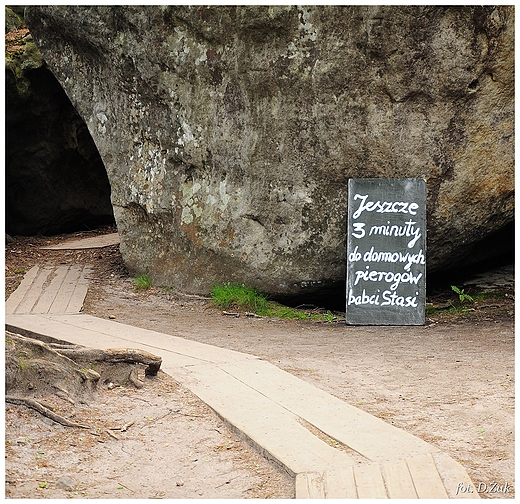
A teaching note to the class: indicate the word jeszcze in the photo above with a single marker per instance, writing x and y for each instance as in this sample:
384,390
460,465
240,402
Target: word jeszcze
384,207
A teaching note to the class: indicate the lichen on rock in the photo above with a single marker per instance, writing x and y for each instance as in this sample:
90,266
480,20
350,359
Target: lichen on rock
21,53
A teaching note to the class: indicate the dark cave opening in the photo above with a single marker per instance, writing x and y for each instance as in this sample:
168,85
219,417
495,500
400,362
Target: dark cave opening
494,251
55,179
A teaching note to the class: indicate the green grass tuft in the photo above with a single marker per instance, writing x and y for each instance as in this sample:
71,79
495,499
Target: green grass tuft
142,282
238,296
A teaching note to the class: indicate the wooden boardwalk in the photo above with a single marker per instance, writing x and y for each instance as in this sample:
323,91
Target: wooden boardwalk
86,243
48,289
427,476
261,402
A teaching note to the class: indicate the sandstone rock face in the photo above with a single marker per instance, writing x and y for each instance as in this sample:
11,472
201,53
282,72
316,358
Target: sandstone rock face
55,179
229,133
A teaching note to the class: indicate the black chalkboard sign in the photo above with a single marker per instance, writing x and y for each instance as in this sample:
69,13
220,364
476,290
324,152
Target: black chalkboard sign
386,252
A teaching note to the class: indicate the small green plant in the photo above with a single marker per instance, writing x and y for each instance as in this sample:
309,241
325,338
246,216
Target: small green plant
20,271
142,282
238,296
21,362
462,295
281,311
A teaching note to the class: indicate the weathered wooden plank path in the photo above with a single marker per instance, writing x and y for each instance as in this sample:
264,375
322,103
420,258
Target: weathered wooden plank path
86,243
48,289
267,406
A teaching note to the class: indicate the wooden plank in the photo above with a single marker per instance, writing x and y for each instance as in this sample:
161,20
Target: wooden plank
454,477
87,243
427,481
67,289
17,296
309,485
34,292
365,434
369,482
80,291
398,480
51,291
340,483
284,439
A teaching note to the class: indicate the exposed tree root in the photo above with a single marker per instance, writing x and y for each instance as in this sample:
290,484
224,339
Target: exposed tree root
35,405
35,369
113,356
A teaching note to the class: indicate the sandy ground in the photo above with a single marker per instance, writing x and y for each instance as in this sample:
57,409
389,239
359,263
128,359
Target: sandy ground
176,448
450,382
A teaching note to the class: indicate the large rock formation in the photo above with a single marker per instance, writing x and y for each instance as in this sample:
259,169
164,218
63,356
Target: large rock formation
229,133
56,180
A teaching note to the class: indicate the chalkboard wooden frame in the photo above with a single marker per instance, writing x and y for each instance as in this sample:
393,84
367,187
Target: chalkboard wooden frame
386,252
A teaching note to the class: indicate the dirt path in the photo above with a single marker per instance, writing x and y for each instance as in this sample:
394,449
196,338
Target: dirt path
450,382
175,447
